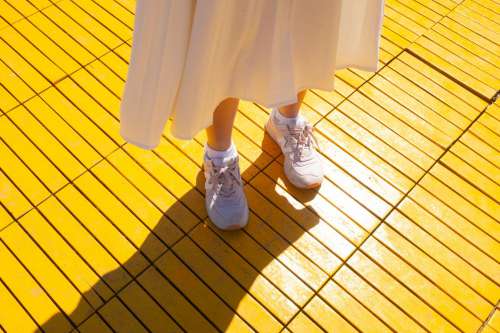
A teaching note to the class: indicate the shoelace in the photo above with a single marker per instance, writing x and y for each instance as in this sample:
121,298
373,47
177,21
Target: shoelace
304,140
226,177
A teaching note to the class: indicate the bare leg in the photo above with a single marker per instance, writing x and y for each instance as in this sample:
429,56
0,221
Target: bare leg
292,110
219,133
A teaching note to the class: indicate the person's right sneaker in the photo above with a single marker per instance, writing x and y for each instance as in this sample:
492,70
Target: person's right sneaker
302,162
225,200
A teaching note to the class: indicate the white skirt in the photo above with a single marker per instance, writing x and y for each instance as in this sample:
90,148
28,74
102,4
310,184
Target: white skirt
189,55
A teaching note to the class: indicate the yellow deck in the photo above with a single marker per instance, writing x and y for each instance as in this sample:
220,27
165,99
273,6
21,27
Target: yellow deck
97,235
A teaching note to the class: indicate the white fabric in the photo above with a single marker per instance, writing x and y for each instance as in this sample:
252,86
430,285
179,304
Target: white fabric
189,55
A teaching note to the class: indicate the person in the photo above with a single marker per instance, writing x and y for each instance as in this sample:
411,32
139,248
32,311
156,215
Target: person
193,60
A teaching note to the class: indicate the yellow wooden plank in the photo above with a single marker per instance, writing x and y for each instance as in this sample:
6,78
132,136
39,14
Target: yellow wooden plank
434,272
98,90
120,216
325,316
464,198
259,116
355,211
490,121
10,13
280,249
479,18
351,309
301,323
58,54
422,287
62,38
123,12
65,160
31,155
356,189
129,4
150,313
433,110
437,90
105,75
466,171
317,107
198,293
390,173
478,50
431,210
466,54
120,318
45,272
30,294
15,88
5,218
84,124
260,287
494,321
292,232
482,148
112,276
444,256
28,8
460,27
476,161
23,69
390,132
408,27
285,278
375,302
349,220
399,294
405,114
357,170
75,269
105,232
454,66
174,303
390,31
41,62
13,317
116,63
137,203
13,200
7,100
415,12
484,133
240,301
164,190
94,324
73,20
89,25
63,132
106,121
105,18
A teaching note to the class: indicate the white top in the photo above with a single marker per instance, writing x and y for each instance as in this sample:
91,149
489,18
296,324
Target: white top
189,55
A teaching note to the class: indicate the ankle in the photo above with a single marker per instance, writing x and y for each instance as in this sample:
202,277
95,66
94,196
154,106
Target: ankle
215,153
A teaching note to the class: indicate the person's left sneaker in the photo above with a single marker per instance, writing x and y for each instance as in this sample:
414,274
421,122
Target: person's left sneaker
302,162
225,199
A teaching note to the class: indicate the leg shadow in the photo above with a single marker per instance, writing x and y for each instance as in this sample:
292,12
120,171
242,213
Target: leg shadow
213,268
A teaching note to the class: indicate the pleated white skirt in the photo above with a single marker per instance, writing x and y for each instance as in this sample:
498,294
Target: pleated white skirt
189,55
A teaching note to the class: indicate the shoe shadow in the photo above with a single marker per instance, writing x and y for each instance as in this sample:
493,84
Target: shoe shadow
255,278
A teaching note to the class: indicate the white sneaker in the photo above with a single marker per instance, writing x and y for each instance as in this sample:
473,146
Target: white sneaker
225,200
303,165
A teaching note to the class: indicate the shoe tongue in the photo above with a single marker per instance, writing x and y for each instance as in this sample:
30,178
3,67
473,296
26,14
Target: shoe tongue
220,161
